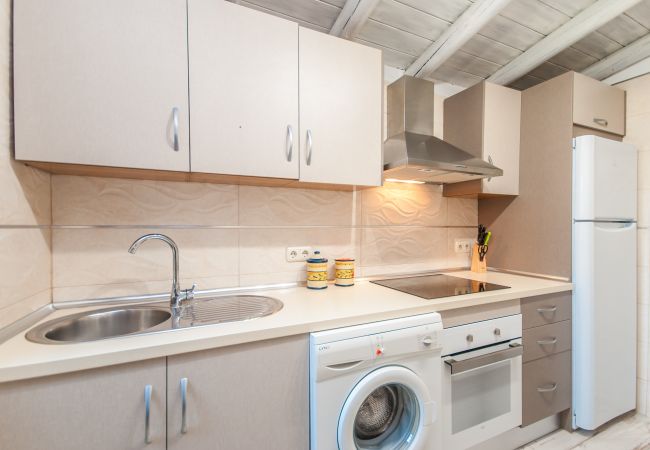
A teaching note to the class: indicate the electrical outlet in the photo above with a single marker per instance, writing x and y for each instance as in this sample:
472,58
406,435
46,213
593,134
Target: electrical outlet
463,245
298,254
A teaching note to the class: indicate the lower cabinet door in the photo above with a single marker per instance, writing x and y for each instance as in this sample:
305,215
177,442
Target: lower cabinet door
242,397
99,409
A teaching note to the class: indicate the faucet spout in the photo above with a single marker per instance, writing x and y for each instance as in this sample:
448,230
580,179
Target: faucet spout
176,296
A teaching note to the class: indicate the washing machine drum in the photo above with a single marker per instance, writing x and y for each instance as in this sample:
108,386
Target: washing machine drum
389,409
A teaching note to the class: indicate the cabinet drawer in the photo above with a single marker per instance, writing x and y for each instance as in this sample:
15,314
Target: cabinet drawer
546,340
545,309
597,105
546,387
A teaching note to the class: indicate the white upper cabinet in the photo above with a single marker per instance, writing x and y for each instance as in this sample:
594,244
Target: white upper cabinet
244,89
102,83
340,111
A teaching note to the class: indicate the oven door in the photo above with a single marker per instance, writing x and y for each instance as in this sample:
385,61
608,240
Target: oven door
482,394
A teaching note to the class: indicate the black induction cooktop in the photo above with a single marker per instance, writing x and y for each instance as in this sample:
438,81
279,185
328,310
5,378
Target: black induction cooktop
438,285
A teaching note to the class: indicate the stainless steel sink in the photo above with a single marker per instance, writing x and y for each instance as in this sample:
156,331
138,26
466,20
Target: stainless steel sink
98,324
131,320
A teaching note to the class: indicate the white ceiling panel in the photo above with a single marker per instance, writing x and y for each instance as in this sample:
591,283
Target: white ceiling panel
393,38
392,58
535,15
311,11
597,45
452,75
409,19
573,59
525,82
623,30
491,50
641,13
569,7
547,70
471,64
511,33
448,10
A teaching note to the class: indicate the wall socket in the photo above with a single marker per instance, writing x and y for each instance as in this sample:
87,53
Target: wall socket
298,254
463,245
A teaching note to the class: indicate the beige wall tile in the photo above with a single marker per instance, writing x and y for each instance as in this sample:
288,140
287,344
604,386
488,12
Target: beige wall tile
643,285
415,246
643,247
641,394
644,171
24,194
643,208
459,259
112,201
643,316
642,361
86,257
637,131
286,207
263,251
462,212
24,264
637,100
394,204
11,313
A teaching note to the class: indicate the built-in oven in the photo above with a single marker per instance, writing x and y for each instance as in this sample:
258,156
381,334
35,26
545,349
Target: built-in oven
481,380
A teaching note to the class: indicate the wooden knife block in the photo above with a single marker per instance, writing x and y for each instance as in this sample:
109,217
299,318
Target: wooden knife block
478,266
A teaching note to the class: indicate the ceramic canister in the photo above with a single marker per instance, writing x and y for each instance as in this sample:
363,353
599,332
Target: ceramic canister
344,270
317,272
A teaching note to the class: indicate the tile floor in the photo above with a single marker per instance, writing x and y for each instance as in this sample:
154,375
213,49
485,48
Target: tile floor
630,433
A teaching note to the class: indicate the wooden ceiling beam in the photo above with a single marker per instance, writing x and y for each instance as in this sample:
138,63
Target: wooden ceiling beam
587,21
620,59
352,17
453,38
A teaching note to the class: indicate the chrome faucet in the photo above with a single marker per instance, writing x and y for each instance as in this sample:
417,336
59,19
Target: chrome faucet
178,296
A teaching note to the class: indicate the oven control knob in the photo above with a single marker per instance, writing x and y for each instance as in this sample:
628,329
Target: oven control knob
470,338
427,341
497,332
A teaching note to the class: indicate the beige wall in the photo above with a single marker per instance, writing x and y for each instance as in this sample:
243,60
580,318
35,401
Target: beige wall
24,210
237,235
638,133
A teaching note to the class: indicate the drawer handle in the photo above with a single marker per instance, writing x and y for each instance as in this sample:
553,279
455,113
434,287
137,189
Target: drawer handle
547,388
601,122
147,413
552,309
176,143
548,341
310,147
289,142
183,405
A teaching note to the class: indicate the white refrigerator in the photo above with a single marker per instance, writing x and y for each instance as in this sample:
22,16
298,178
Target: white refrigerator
604,276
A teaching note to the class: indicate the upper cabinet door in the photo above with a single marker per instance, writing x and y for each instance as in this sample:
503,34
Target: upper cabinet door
102,82
341,86
598,105
244,88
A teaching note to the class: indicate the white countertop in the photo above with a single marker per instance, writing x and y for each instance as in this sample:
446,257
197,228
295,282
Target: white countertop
304,311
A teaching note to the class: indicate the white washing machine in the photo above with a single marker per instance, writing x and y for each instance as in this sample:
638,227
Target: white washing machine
377,386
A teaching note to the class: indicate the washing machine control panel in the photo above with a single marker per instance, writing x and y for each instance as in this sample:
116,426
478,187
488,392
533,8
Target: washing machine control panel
408,340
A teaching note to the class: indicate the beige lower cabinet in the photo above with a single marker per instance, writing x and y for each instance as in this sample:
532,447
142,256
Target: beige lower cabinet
99,409
250,396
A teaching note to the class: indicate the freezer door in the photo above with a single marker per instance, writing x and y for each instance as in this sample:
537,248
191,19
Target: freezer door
604,179
604,321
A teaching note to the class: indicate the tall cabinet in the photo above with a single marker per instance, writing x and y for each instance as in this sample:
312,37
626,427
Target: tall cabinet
102,83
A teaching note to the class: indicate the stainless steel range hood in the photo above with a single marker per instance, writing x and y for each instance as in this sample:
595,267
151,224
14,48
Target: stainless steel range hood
412,153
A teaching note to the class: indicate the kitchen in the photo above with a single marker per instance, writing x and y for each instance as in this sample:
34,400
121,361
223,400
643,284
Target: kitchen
336,224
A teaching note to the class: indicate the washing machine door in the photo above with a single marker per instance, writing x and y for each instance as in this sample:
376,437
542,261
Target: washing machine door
389,409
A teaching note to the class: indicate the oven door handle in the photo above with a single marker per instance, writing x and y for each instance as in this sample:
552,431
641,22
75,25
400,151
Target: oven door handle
484,360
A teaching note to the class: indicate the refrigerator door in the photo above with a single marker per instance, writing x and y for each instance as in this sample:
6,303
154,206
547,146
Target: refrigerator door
604,321
604,179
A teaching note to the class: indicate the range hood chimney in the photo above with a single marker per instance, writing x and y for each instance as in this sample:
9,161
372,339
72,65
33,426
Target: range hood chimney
412,153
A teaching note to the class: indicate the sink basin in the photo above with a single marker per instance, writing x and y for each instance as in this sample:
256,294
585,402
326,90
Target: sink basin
99,324
130,320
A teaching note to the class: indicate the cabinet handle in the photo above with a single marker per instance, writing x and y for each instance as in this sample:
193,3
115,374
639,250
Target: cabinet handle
310,146
175,124
183,405
147,413
547,388
601,122
289,142
548,341
552,309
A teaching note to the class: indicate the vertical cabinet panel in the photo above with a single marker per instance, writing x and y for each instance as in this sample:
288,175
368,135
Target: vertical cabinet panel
251,396
340,111
100,409
96,82
244,88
